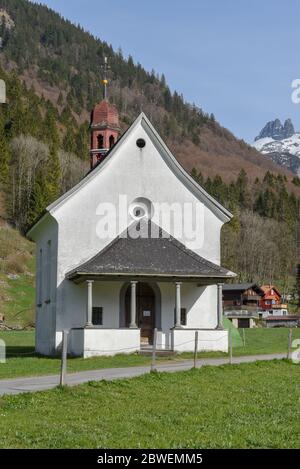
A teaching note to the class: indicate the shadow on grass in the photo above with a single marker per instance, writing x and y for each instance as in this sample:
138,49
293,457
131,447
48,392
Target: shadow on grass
14,351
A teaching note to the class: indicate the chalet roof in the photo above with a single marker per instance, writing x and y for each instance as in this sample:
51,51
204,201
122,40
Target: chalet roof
239,286
266,288
145,255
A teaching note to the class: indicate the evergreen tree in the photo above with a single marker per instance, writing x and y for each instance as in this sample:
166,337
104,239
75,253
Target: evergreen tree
242,188
82,139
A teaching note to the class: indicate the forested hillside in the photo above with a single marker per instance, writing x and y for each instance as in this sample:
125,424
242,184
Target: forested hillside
52,69
63,63
262,242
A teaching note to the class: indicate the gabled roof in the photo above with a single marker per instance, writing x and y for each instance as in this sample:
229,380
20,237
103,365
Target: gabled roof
168,157
241,287
153,253
266,288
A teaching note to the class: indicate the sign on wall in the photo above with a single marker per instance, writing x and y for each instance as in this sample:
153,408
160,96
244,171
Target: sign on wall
2,92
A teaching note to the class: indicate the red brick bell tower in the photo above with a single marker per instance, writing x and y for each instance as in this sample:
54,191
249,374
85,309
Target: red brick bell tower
104,126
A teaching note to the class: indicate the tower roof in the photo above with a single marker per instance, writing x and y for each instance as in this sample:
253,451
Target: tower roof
105,114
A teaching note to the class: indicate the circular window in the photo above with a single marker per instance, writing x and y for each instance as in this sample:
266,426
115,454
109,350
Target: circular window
140,208
140,142
139,212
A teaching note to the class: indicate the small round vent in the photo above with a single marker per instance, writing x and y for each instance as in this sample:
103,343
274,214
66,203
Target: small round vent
140,142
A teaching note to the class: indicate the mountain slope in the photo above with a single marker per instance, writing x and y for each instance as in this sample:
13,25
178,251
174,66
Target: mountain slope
62,63
281,144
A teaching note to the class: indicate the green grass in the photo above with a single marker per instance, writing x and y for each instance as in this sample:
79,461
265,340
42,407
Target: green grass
19,307
233,406
263,340
17,267
22,361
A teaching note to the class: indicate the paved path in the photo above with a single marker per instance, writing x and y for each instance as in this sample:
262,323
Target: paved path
40,383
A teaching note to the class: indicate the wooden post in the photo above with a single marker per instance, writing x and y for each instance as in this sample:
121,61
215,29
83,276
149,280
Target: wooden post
196,349
230,347
244,337
154,350
63,371
289,344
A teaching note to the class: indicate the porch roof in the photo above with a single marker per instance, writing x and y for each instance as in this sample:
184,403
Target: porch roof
147,256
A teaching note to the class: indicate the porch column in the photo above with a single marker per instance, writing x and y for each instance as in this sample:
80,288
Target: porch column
133,305
89,302
178,304
220,306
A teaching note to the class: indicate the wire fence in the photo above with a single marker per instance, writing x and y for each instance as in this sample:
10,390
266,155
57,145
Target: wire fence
240,342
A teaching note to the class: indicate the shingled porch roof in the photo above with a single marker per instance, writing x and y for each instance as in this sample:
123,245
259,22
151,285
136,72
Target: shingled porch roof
146,256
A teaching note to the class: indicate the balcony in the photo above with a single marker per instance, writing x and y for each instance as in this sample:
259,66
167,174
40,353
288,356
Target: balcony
242,311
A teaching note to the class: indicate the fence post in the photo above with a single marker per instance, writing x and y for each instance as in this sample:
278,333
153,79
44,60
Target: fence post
196,349
154,350
230,347
63,370
244,337
289,344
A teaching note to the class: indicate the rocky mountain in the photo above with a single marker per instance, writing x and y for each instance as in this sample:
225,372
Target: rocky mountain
277,131
281,144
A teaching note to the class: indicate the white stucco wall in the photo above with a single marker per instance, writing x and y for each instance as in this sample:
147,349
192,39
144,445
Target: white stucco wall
184,340
46,282
103,341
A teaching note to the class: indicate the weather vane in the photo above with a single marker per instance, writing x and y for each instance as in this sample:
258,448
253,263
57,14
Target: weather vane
105,67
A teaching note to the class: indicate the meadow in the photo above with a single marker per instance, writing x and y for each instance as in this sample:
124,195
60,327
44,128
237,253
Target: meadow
232,406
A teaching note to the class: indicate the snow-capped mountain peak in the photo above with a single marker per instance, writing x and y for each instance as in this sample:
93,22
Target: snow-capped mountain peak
281,143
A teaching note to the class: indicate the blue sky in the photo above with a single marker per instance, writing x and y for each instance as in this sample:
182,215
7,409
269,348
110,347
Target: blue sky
235,58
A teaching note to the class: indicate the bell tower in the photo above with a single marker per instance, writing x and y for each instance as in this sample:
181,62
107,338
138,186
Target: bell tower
104,126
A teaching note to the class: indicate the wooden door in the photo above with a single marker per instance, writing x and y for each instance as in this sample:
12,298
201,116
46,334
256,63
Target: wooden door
145,311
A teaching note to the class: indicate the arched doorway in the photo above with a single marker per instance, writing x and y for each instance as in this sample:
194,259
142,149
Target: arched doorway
145,310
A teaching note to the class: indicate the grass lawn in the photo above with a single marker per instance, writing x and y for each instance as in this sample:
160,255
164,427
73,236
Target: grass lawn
21,360
20,293
232,406
17,277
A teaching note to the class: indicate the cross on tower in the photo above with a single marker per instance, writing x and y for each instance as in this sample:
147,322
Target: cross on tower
105,67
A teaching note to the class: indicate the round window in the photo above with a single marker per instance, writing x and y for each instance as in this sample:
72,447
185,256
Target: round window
140,142
140,208
139,212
